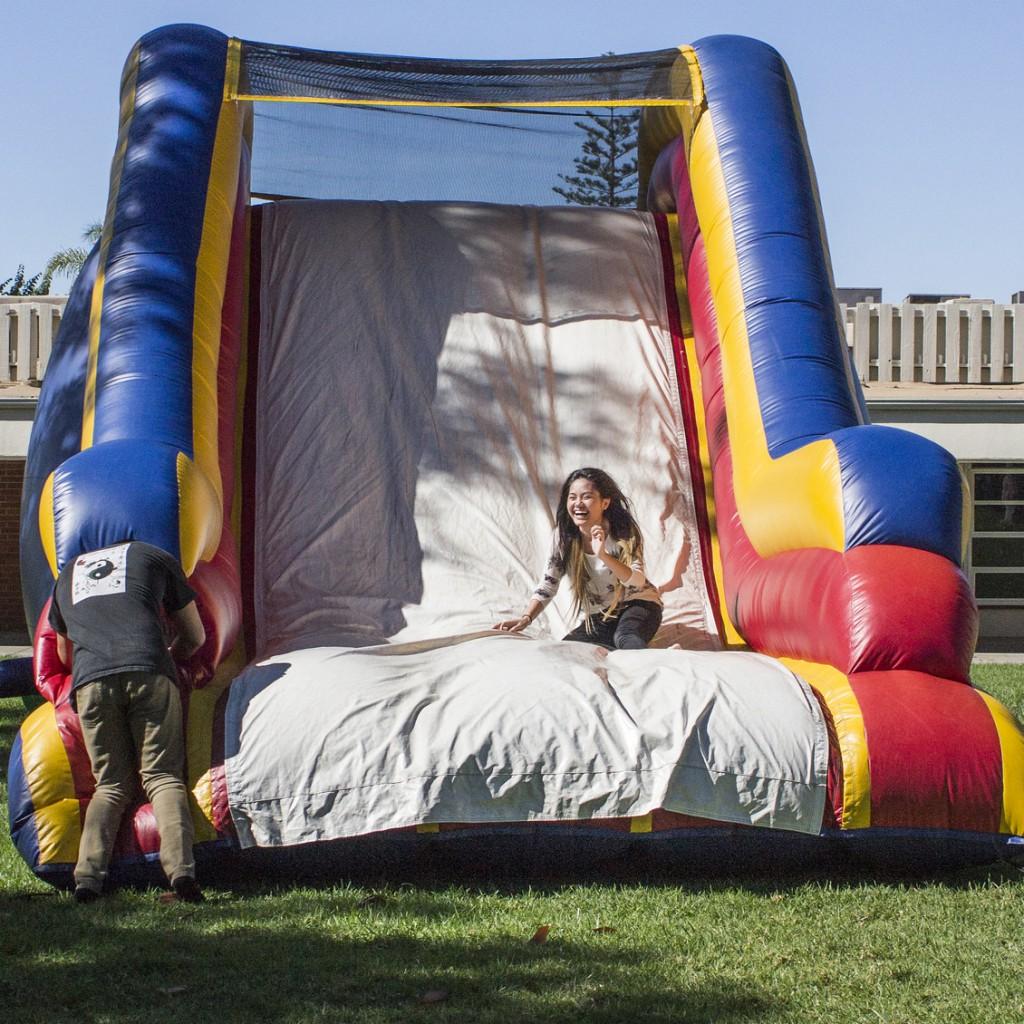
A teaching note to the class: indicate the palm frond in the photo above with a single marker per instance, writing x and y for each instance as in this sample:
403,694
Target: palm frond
67,261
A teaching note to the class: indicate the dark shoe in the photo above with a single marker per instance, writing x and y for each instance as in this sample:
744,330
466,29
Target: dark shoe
187,889
83,894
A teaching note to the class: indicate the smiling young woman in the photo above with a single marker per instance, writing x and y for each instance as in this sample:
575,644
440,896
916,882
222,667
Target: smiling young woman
598,545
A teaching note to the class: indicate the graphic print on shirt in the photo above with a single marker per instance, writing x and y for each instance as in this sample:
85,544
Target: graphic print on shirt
100,572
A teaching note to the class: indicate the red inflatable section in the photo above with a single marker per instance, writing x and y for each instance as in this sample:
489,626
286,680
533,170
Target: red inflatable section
939,735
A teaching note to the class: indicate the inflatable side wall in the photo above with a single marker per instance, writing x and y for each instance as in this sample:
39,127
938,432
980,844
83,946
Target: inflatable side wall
135,436
839,542
836,544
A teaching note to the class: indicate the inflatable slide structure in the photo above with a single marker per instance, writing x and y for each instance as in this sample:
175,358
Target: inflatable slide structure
340,343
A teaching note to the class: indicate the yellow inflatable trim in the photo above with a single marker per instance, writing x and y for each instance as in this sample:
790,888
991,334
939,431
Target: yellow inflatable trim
844,708
211,275
51,787
785,503
200,515
47,529
1011,744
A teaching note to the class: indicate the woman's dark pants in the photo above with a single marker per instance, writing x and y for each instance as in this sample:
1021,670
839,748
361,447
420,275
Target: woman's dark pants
632,628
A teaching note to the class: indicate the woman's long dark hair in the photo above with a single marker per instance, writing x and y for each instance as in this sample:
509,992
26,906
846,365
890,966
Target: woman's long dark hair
622,527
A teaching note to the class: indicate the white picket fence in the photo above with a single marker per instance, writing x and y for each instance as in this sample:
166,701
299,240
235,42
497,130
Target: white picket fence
957,342
29,324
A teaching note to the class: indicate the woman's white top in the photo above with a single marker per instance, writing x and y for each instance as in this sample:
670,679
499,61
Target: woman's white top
601,582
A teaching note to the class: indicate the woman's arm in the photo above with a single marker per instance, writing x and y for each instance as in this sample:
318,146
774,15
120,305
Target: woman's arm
533,609
542,594
630,576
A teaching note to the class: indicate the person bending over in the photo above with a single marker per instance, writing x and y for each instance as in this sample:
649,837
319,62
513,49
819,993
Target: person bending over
598,545
108,603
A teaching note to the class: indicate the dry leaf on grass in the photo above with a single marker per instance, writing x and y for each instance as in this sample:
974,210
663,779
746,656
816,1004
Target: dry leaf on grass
541,934
434,995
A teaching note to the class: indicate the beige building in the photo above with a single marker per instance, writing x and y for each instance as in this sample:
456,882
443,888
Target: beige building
948,368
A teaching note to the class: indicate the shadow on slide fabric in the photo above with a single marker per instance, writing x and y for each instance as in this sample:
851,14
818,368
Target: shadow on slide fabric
258,678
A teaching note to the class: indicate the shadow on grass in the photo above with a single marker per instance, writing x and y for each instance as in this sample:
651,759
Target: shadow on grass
422,891
120,961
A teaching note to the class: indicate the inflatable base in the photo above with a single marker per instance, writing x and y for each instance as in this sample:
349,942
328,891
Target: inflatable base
559,854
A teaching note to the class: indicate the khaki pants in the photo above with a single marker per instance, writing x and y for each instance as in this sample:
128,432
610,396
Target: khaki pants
131,722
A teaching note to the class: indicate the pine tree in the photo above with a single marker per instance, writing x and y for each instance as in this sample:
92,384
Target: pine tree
606,167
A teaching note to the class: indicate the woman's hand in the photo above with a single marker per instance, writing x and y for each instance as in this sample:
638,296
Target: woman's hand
513,625
597,537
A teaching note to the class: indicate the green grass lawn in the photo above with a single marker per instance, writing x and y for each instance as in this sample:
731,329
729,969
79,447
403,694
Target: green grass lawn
795,950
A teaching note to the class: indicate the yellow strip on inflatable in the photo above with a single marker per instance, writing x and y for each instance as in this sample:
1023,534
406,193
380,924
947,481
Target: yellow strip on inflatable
794,501
128,83
51,787
47,527
233,68
211,274
200,488
200,517
1011,744
639,101
844,708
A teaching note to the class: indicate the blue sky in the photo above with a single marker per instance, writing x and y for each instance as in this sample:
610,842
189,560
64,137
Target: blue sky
912,108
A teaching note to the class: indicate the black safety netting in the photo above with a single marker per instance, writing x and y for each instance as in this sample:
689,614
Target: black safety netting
291,72
362,126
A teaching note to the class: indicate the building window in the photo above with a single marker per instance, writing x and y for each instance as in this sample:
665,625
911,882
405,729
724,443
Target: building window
996,552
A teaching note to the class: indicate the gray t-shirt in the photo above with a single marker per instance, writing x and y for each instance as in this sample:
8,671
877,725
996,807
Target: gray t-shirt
108,603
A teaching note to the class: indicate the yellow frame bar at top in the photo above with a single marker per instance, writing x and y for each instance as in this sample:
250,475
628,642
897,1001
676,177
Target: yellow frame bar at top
519,104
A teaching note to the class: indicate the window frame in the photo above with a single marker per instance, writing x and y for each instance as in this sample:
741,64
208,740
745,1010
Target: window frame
972,471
